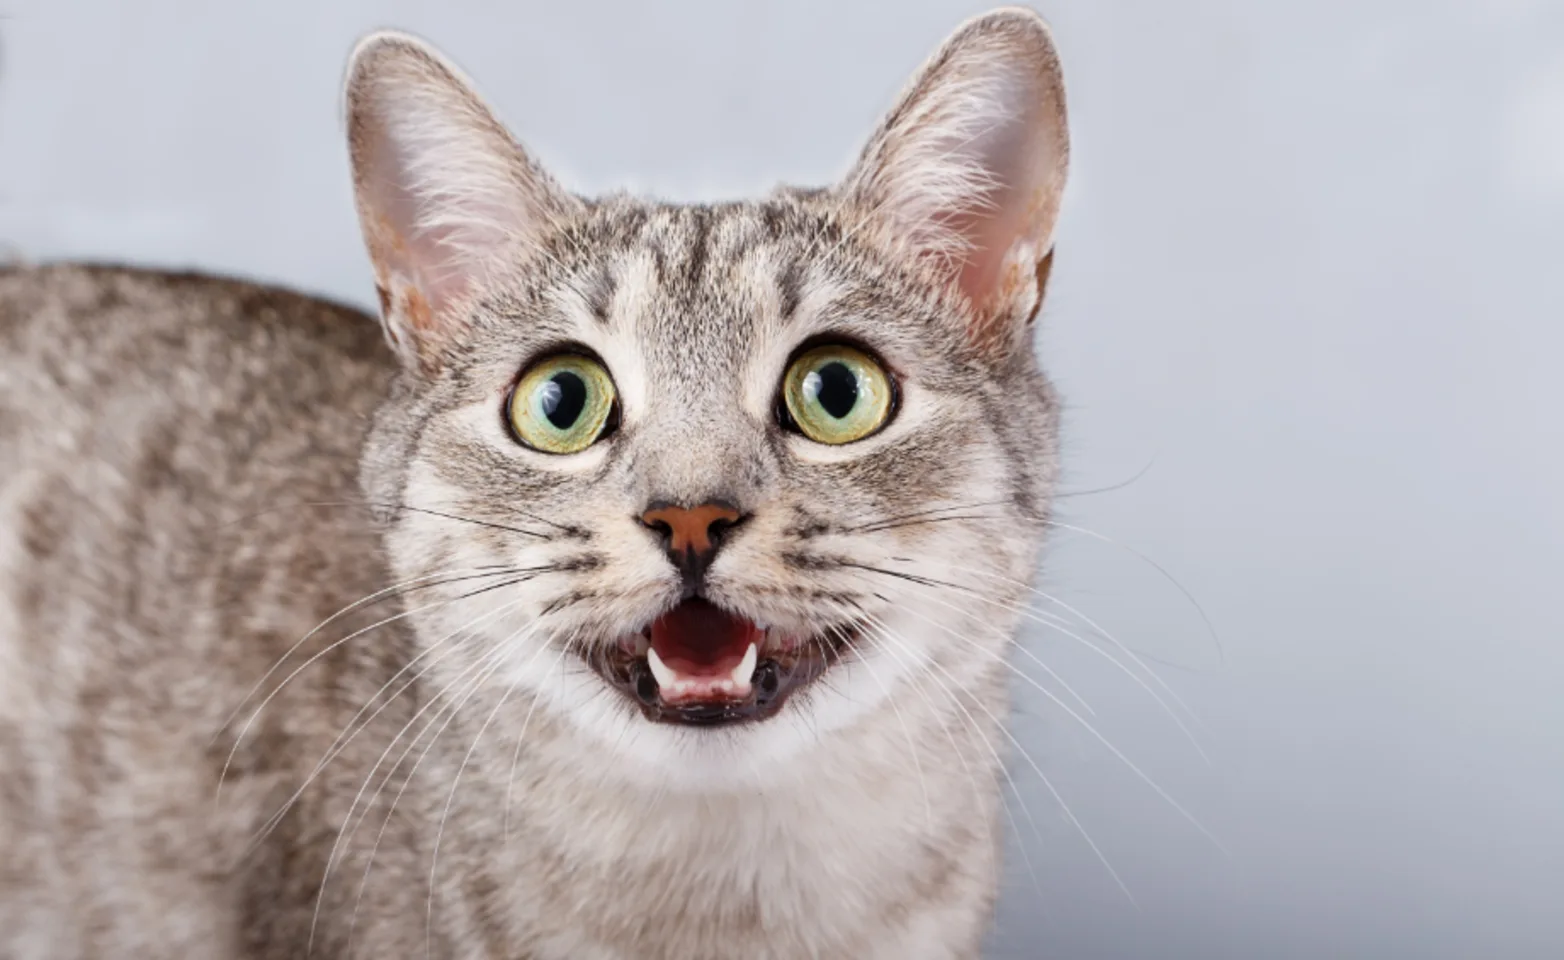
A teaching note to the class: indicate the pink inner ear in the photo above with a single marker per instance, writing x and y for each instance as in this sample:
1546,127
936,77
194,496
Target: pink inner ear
436,261
966,174
442,274
1015,153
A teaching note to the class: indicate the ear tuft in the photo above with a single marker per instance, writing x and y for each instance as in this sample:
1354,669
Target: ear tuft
966,173
443,191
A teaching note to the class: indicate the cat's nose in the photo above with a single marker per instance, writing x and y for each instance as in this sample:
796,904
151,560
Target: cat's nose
691,535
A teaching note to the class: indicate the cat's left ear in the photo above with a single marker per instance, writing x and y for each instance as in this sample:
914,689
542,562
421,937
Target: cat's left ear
444,194
965,175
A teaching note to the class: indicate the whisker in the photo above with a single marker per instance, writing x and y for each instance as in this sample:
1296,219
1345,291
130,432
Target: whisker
1167,708
494,660
522,735
1037,616
474,675
338,845
927,521
922,513
350,732
1133,768
381,505
900,575
1065,807
1139,659
1001,634
912,675
912,747
1049,620
563,528
255,714
1062,494
1210,627
362,601
439,835
490,524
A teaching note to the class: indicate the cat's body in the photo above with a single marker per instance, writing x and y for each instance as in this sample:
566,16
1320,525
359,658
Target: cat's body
178,450
199,474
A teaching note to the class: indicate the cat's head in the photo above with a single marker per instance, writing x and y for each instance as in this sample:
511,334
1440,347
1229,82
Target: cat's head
712,483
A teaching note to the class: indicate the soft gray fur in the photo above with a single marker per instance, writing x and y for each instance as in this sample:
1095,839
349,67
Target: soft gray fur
198,473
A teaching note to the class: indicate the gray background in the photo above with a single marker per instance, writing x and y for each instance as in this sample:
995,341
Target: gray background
1309,274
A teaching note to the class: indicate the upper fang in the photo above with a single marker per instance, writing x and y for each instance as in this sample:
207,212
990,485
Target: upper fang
745,669
665,677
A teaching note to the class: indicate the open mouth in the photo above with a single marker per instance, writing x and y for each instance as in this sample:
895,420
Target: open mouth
698,664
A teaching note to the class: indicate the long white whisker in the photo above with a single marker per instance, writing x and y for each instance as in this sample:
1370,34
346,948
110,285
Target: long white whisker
1210,627
912,746
339,844
992,655
340,848
1034,657
479,672
1059,799
912,675
1130,764
353,728
350,732
362,601
521,736
1037,616
434,857
256,713
1101,631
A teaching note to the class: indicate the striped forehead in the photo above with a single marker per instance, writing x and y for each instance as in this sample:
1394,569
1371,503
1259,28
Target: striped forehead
693,291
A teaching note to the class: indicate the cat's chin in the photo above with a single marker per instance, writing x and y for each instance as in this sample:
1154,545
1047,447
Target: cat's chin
701,666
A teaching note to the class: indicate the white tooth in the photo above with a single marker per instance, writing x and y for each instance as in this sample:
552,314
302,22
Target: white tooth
666,678
745,669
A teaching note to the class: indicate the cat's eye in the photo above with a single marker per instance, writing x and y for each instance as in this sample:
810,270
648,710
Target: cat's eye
562,404
836,394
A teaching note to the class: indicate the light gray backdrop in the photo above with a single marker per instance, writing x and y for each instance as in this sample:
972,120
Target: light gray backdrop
1308,292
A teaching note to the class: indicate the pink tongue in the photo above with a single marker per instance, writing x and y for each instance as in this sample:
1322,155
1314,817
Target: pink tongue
697,639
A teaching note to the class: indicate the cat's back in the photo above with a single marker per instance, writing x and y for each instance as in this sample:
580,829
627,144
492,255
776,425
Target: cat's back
79,339
140,408
163,441
162,437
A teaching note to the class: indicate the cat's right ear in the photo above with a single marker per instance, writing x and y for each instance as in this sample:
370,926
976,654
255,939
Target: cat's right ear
966,174
444,193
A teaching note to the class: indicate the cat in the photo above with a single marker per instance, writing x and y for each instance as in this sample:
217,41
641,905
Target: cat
640,586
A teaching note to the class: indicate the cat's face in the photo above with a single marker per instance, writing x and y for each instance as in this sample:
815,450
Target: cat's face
711,483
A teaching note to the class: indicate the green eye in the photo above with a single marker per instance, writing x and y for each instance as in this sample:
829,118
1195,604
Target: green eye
836,394
562,404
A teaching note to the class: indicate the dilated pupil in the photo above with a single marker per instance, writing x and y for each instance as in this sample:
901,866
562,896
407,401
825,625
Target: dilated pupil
562,399
834,387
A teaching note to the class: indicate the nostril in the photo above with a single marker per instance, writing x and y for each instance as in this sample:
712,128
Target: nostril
721,526
657,521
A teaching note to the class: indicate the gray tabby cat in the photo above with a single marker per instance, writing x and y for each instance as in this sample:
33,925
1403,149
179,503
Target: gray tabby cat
649,597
